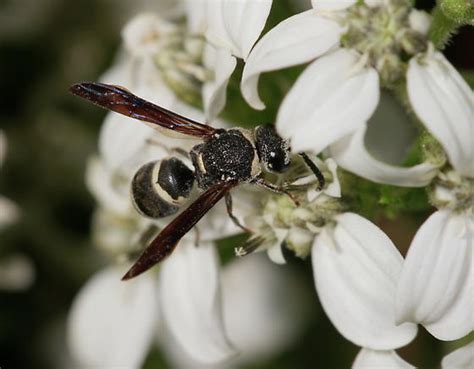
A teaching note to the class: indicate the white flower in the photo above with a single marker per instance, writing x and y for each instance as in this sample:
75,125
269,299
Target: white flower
188,279
111,323
357,52
317,110
445,105
436,282
258,319
231,29
177,62
191,292
356,267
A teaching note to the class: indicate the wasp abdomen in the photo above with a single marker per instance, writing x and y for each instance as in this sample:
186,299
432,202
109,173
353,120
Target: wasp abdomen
175,178
160,187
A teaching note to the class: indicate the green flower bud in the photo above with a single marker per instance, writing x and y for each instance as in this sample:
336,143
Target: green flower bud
460,11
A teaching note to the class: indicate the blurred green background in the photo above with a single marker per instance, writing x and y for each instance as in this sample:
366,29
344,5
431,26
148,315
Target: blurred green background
45,46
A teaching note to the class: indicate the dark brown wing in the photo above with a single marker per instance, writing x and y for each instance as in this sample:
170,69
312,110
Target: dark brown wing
164,244
122,101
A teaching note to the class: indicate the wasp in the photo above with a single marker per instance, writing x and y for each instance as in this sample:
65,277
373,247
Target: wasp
224,159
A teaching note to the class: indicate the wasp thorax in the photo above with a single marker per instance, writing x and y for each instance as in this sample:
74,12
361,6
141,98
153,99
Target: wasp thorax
452,191
160,187
385,33
272,149
228,156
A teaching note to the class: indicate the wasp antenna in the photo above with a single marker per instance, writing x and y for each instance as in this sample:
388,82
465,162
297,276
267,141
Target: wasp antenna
311,165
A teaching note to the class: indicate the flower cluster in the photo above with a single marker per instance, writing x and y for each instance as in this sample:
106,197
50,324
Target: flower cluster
372,295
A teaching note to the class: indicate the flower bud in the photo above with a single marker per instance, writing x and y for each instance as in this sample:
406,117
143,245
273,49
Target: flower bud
300,241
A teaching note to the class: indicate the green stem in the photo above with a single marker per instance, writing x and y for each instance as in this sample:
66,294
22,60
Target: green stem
442,28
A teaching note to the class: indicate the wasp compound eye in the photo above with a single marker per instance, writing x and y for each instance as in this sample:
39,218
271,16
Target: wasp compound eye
273,150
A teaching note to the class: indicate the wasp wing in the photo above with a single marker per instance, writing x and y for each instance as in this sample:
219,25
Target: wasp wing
122,101
166,241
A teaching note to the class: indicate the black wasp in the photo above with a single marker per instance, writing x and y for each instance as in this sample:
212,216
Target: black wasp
226,158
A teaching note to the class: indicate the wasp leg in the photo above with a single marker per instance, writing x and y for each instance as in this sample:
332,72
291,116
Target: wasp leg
181,152
314,169
144,239
197,239
169,150
277,189
252,244
228,204
148,234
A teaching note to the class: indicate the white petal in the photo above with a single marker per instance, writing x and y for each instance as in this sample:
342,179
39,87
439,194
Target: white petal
146,33
217,223
351,154
436,283
16,273
147,83
196,15
236,25
125,144
244,21
275,254
334,188
108,193
111,323
216,32
332,5
331,98
370,359
9,212
122,142
445,104
190,298
462,358
356,272
120,73
258,317
222,63
296,40
141,76
274,250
